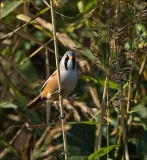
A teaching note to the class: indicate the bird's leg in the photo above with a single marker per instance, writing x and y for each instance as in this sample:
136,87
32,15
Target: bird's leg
56,92
61,116
60,91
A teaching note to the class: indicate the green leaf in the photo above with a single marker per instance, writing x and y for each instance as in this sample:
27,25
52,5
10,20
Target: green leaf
114,97
80,144
85,122
9,6
142,146
141,111
127,45
80,5
88,78
101,152
90,5
113,85
82,8
6,51
14,91
140,28
102,82
116,94
18,95
27,67
29,71
33,117
7,105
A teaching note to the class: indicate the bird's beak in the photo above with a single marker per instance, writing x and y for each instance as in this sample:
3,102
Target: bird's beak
71,57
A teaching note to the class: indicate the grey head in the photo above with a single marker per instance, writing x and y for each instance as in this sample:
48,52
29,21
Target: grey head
68,61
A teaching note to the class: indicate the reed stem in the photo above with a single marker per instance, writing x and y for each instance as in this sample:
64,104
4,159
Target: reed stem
59,77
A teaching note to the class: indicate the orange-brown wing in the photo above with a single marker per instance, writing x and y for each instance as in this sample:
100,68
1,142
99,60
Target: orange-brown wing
35,102
50,86
50,77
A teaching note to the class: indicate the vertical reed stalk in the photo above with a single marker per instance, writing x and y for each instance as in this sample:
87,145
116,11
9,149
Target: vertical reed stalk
59,77
102,115
103,106
48,107
126,155
107,121
129,93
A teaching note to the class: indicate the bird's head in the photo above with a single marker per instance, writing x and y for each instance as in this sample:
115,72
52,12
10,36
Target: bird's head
68,61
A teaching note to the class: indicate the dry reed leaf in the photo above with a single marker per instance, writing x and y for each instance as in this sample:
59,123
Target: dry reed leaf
26,35
72,109
45,141
6,41
19,141
50,150
39,23
87,112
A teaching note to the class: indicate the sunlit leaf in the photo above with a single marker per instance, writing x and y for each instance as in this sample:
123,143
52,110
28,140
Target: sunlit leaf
9,6
7,105
6,51
30,20
113,85
101,152
90,4
85,122
80,5
140,29
99,81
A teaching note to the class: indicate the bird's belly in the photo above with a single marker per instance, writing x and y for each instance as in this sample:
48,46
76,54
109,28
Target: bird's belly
69,83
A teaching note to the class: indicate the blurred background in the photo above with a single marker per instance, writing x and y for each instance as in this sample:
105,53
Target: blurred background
109,41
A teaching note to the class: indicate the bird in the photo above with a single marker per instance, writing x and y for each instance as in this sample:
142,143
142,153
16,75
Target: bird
69,79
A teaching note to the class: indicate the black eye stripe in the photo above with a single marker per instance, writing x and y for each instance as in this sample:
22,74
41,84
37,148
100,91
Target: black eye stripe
65,62
73,59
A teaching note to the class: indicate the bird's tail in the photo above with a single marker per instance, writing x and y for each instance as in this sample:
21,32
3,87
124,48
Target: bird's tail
35,102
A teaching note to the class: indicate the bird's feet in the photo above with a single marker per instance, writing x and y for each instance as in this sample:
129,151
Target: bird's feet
62,115
60,92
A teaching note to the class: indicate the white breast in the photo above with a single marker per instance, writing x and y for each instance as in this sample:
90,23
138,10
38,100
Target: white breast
69,80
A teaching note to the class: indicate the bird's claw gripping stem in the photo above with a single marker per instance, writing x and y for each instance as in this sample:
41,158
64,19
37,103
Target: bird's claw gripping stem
62,115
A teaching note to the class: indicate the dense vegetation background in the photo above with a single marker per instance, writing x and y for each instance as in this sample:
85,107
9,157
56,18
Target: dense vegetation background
109,40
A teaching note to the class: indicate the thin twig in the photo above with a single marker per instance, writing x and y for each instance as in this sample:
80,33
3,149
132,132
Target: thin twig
17,29
23,34
139,76
34,53
15,67
56,11
59,78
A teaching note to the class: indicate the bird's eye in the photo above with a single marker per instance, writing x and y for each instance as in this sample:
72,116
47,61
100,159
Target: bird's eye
66,60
